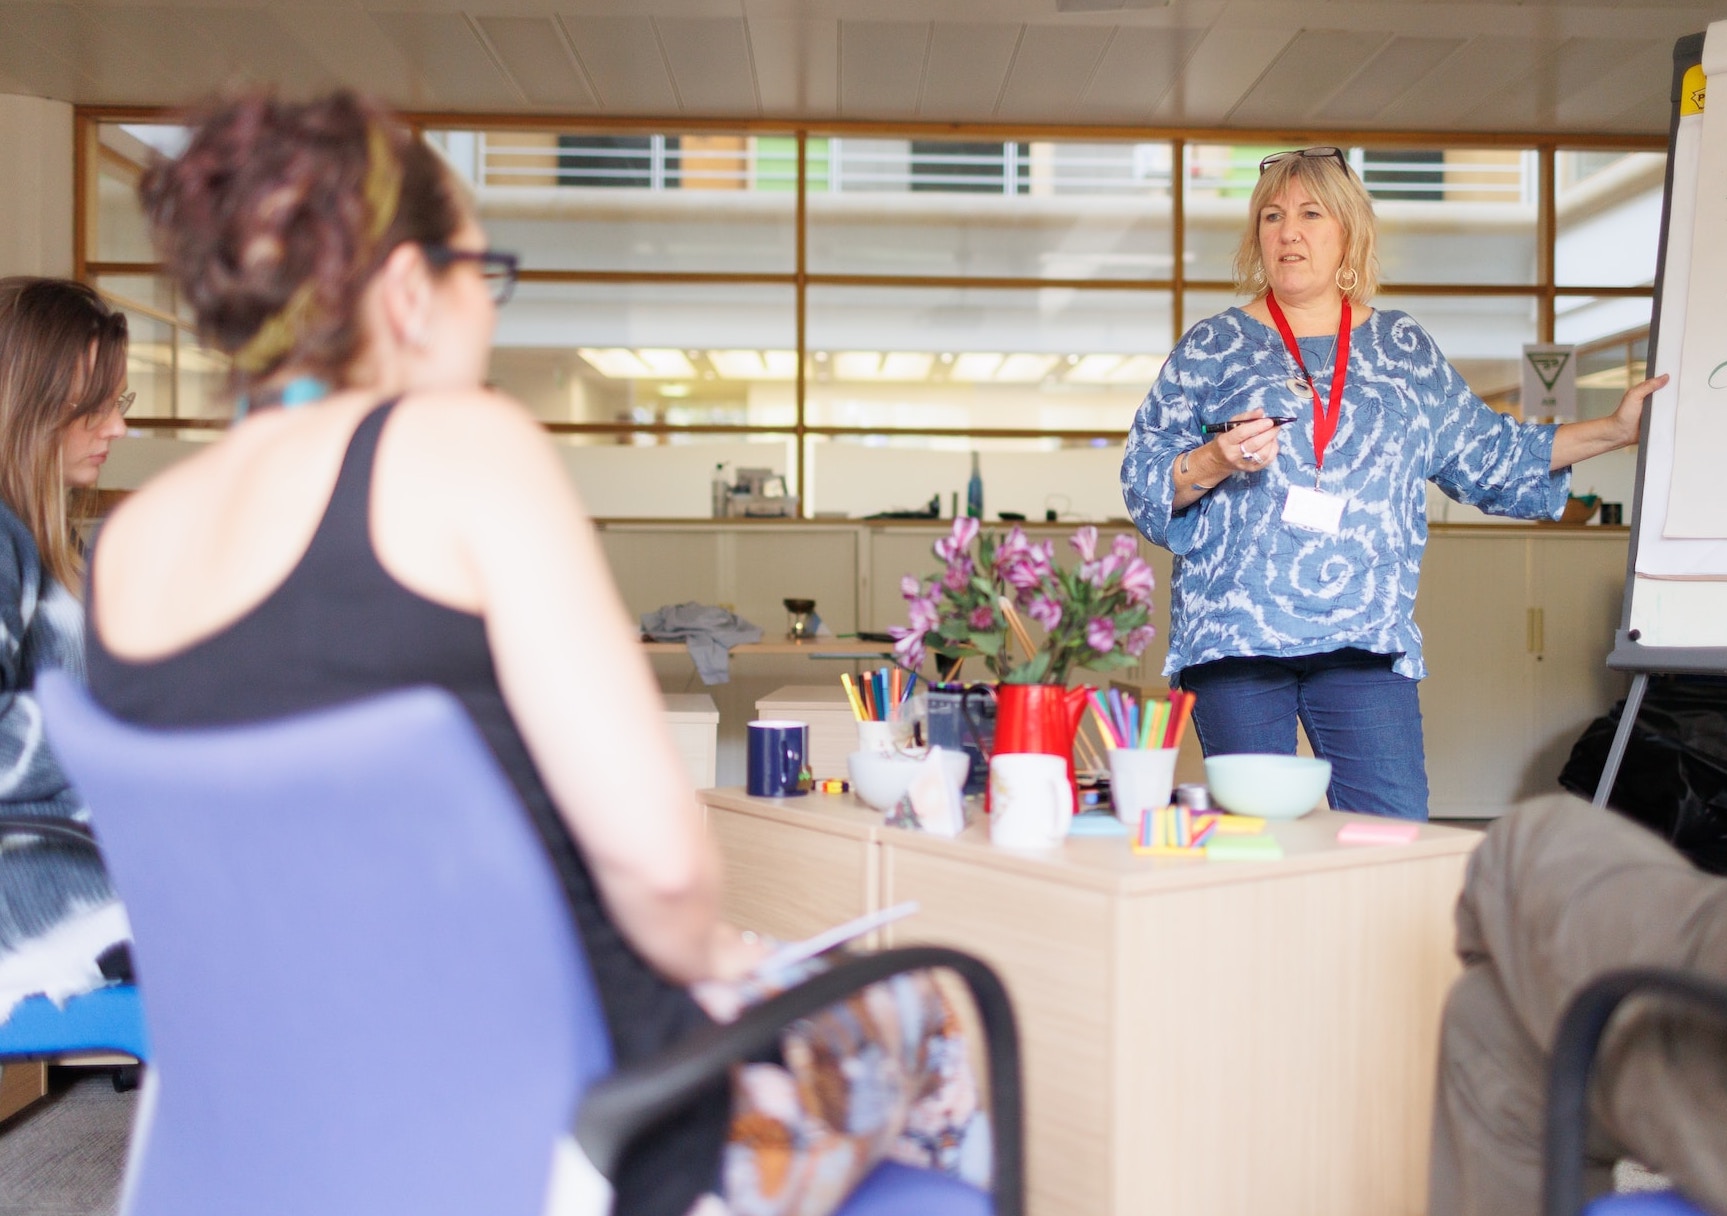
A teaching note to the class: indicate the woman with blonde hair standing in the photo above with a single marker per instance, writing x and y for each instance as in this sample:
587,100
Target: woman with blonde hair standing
62,401
1283,456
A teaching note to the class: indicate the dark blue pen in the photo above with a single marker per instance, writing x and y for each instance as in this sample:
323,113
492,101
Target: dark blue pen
1218,428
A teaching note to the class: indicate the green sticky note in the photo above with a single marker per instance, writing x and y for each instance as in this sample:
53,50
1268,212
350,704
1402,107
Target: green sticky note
1243,848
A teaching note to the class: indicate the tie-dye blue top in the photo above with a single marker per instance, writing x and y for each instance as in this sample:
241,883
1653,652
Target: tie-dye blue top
1246,582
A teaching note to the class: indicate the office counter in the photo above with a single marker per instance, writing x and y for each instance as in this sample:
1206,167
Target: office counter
1200,1038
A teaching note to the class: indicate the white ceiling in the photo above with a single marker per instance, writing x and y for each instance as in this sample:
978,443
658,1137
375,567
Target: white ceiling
1497,65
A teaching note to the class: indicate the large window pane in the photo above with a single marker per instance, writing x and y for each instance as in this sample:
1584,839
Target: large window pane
1582,320
123,151
669,476
1445,215
1608,210
856,475
1049,359
1039,209
572,200
688,354
173,376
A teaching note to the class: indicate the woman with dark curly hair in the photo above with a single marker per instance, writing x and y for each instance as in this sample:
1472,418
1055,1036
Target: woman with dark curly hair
376,520
62,398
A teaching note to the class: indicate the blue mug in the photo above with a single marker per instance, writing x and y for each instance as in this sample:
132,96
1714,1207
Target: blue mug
776,759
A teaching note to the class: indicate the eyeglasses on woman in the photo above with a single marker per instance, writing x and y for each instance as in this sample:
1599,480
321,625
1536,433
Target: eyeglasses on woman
498,269
116,408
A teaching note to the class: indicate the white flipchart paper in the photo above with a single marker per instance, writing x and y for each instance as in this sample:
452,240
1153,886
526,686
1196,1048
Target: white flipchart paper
1697,493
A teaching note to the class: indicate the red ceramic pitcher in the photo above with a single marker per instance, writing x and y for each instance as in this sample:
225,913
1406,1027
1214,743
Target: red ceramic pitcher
1037,718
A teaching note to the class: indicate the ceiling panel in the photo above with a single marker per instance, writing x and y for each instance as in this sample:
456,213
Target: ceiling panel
534,53
1310,71
1220,70
258,46
882,67
153,52
1402,63
796,65
451,67
624,61
1533,97
967,67
351,47
38,45
1051,70
1480,69
1137,69
1643,77
710,61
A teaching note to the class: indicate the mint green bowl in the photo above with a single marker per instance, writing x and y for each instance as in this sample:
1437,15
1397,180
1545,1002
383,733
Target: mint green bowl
1270,786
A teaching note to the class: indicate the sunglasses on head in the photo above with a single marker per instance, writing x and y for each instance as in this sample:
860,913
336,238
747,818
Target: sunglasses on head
1335,154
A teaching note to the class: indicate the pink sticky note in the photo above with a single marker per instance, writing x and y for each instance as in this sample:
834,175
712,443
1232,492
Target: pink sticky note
1385,832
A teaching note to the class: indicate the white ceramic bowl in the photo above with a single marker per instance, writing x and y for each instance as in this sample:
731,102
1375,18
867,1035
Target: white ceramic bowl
880,781
1270,786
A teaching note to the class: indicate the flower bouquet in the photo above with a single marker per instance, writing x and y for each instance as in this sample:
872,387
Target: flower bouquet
1096,615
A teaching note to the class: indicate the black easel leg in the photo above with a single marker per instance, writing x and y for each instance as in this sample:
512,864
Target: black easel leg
1622,736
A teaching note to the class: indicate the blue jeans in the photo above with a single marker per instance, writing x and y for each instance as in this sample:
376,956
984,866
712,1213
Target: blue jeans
1358,713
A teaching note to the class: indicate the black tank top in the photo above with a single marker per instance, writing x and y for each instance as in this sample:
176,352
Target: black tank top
340,628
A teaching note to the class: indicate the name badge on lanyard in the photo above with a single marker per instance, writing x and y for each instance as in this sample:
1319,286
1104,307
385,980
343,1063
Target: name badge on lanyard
1314,510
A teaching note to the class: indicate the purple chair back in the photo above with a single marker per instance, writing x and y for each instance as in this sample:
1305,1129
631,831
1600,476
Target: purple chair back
364,990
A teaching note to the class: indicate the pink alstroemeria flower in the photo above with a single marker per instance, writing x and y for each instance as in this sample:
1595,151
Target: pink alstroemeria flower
924,614
958,542
1137,581
1084,542
907,645
1100,634
1045,611
1138,640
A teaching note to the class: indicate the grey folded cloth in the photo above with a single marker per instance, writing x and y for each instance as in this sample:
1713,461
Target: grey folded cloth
707,631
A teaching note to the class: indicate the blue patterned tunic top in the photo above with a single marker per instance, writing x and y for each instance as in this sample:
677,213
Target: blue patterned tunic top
1248,584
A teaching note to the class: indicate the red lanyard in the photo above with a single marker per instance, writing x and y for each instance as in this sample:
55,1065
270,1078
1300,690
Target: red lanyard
1324,417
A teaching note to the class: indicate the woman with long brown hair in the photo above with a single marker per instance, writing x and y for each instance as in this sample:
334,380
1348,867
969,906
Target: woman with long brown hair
62,398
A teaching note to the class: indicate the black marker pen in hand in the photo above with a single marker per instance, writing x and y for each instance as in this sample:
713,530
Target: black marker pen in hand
1218,428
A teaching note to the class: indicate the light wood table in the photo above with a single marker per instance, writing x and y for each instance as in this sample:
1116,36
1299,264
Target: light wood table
1200,1038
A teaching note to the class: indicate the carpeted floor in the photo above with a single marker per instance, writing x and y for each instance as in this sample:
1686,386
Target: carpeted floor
63,1156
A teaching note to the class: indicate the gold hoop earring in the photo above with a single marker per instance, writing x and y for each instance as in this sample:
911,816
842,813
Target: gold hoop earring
1256,280
1354,279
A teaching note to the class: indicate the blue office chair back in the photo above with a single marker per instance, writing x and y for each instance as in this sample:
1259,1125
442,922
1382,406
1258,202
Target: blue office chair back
363,986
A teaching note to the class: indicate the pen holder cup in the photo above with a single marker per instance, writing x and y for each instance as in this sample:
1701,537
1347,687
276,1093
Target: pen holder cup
1140,778
884,738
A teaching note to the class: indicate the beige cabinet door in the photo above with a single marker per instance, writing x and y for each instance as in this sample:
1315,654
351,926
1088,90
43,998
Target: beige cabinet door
1476,701
657,566
769,564
1577,586
893,554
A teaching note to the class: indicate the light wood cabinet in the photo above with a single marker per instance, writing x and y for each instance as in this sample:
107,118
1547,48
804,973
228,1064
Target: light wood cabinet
1202,1038
1516,625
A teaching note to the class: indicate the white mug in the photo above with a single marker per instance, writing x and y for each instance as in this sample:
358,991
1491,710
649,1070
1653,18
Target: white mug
1030,800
